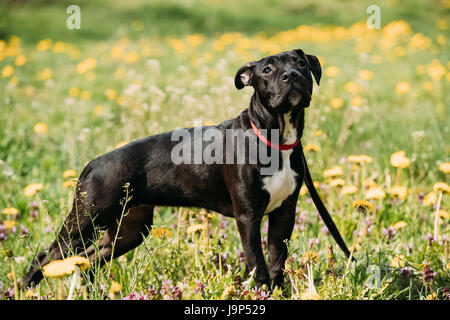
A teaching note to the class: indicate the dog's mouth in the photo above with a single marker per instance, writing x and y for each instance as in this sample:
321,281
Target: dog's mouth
294,98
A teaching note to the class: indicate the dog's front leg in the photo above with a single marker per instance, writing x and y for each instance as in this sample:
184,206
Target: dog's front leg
249,229
281,224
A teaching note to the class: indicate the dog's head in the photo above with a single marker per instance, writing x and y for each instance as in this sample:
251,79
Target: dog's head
282,81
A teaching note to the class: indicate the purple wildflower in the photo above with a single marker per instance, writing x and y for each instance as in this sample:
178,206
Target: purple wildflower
200,286
389,232
428,276
430,238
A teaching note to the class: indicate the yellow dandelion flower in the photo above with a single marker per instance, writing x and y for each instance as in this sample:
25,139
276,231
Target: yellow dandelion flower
436,71
111,94
10,211
45,74
403,87
82,262
161,233
115,287
303,190
428,86
336,103
310,257
359,159
445,167
7,71
399,160
362,204
332,71
375,193
352,87
346,190
317,133
58,268
398,261
309,295
441,186
442,214
337,182
69,173
86,65
369,183
98,110
429,199
131,57
356,101
333,172
196,228
73,92
32,189
9,224
68,184
366,74
398,191
20,60
400,225
44,44
195,40
85,95
311,147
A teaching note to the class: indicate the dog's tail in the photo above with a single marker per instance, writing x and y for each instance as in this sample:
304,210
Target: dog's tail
323,210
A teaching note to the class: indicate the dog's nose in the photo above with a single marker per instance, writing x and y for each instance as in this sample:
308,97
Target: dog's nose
289,75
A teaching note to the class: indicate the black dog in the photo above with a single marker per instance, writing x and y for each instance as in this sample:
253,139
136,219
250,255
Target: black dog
283,87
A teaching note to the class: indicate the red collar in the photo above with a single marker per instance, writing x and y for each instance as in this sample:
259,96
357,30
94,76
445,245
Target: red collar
282,147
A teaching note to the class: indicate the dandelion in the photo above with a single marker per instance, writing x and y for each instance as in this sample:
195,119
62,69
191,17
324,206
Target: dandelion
10,211
399,161
336,103
73,92
32,189
398,191
7,71
40,128
400,225
356,101
86,65
429,199
445,167
114,290
80,264
402,87
69,183
161,233
44,74
111,94
311,147
366,74
332,71
333,172
398,261
347,190
196,228
308,295
337,182
352,87
362,205
58,269
69,173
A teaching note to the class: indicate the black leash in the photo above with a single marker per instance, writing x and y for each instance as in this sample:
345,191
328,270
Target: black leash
323,210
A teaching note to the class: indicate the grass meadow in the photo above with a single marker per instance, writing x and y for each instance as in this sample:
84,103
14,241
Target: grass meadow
376,139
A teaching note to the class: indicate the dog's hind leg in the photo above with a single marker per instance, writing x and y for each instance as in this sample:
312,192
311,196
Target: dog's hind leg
122,236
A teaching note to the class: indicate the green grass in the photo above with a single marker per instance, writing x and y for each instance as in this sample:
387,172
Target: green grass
174,89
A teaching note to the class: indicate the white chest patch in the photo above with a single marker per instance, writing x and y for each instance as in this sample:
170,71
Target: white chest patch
282,184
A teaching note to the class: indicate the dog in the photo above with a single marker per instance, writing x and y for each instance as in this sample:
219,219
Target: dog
283,87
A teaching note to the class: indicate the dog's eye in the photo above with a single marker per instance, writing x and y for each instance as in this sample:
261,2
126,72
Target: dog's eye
301,63
266,70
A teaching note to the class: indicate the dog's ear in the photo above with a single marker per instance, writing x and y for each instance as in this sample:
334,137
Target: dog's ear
313,63
244,75
316,69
